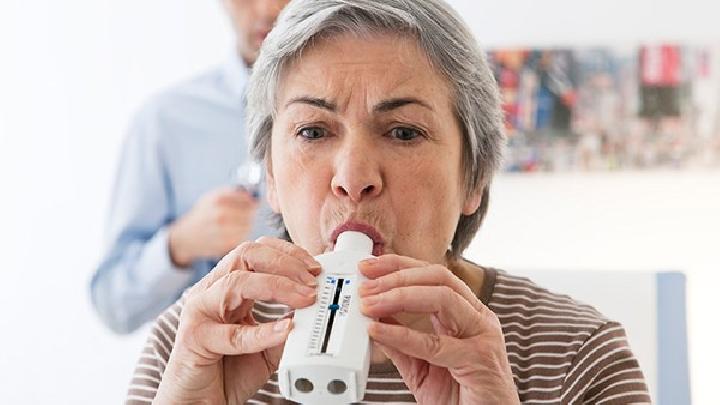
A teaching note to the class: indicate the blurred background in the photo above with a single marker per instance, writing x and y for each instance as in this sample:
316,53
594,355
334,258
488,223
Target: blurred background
574,196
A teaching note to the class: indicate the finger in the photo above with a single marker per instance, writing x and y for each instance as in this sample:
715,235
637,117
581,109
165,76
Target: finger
253,256
292,250
441,350
453,311
235,196
419,276
229,292
224,267
229,339
235,234
248,193
230,218
379,266
262,258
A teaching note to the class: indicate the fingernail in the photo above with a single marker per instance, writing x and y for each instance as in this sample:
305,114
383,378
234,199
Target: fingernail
369,261
309,280
311,263
281,325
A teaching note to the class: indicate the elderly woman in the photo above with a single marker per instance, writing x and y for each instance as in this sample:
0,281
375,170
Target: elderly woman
382,116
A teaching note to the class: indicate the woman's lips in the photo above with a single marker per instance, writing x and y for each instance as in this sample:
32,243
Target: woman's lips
378,250
369,230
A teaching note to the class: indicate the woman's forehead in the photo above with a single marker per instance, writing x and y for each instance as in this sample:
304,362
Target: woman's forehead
350,69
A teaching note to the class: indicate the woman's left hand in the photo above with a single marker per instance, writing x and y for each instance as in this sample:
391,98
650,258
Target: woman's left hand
463,359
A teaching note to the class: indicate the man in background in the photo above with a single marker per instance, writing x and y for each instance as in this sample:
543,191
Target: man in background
175,209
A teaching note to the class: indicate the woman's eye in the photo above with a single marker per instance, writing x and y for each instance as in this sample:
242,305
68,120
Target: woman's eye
404,133
311,133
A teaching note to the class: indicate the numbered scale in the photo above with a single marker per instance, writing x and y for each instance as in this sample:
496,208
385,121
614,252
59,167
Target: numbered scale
329,325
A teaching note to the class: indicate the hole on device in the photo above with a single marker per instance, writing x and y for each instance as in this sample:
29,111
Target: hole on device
303,385
336,387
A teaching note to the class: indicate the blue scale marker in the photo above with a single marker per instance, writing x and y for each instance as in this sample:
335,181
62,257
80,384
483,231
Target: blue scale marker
333,307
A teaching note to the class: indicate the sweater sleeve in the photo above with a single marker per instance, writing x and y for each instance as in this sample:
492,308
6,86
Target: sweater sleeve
605,371
154,357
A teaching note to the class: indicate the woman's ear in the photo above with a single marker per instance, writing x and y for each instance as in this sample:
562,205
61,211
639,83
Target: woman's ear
271,190
472,201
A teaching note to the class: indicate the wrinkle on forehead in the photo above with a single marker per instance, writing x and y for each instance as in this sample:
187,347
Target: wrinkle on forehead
394,66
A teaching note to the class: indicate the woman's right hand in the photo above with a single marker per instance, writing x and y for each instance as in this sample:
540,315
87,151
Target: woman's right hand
221,355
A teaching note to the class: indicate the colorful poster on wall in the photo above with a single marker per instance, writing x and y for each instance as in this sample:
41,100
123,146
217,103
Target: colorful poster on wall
652,106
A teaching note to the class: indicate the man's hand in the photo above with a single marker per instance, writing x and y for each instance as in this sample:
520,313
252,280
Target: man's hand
462,360
221,355
218,222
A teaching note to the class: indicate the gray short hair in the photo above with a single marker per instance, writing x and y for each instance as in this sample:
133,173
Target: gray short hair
450,47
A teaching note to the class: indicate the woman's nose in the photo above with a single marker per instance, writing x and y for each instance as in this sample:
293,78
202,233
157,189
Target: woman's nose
357,174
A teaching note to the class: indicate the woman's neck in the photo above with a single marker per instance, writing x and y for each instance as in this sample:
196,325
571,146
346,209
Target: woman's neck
470,273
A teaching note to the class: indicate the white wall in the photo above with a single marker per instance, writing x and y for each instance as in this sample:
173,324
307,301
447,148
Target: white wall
590,22
71,73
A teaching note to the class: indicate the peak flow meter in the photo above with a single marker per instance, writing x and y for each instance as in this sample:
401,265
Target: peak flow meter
327,354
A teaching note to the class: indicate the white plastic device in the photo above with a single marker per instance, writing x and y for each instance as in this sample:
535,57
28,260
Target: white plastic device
327,354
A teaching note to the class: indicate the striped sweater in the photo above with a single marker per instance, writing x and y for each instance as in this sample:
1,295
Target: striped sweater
560,351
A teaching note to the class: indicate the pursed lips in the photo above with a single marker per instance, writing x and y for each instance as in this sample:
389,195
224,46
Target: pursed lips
357,226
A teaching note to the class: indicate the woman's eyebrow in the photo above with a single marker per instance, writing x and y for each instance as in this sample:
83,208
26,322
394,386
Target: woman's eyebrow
383,106
314,102
394,103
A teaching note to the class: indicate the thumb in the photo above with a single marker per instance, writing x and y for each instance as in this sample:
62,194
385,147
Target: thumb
273,355
410,369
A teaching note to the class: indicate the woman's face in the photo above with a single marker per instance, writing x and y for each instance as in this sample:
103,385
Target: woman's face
365,139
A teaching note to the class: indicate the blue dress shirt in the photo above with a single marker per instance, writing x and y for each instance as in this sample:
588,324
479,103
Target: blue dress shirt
183,143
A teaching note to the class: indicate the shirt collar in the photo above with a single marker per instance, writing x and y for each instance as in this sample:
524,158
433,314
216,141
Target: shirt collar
236,74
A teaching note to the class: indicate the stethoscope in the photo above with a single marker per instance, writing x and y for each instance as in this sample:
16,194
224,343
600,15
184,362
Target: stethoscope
248,176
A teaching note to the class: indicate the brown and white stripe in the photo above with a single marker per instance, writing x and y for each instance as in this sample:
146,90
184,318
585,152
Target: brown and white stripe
560,351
